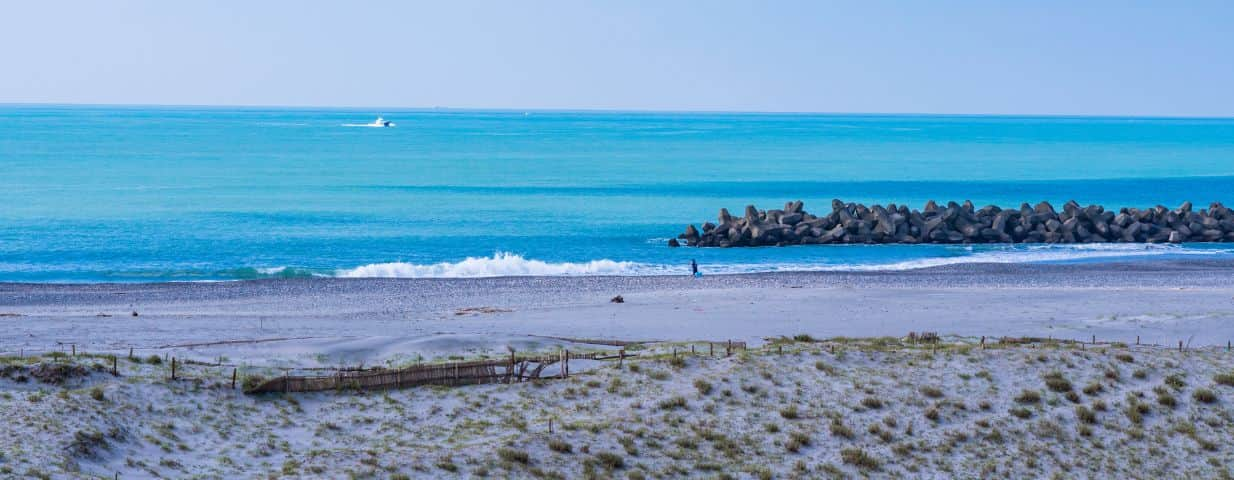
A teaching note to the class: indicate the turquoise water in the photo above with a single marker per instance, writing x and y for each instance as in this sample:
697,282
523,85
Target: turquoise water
186,193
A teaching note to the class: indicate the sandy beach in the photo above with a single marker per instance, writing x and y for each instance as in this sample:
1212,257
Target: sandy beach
369,320
831,385
880,408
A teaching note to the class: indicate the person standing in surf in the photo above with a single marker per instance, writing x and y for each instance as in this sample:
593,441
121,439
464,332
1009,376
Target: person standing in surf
694,268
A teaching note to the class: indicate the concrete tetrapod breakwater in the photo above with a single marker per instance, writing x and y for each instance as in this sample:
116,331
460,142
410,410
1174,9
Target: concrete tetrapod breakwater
850,223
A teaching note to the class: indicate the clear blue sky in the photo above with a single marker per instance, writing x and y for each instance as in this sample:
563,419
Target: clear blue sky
1054,57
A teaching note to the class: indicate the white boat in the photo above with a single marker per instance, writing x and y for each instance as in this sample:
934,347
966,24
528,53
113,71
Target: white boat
381,122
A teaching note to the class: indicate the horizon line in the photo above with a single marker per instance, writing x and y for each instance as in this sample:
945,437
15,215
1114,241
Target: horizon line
617,110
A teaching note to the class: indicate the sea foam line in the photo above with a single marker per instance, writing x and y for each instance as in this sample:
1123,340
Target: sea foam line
504,264
501,264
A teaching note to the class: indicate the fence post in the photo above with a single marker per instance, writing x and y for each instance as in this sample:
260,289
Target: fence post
173,368
233,379
1137,340
621,357
983,342
728,348
114,371
1180,345
550,425
691,349
74,350
711,349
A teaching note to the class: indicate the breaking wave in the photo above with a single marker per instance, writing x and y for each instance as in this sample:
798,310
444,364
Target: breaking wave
509,264
839,258
499,265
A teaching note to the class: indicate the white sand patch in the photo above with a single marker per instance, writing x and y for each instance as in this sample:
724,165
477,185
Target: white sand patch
872,408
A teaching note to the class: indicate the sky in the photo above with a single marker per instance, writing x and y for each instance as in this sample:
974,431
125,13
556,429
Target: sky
967,57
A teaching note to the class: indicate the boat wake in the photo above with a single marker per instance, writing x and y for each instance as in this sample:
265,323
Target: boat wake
379,123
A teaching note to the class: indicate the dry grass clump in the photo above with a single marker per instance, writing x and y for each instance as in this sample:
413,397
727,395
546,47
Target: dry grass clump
885,435
873,403
1028,397
1136,410
1164,398
931,391
796,440
790,412
672,403
1204,395
446,463
513,455
660,375
1226,379
859,458
610,460
1056,382
559,446
704,387
1125,358
841,430
1085,415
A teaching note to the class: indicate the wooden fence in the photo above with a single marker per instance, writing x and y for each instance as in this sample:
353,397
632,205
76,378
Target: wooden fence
511,370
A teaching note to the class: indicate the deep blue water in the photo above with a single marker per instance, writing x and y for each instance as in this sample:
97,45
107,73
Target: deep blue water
187,193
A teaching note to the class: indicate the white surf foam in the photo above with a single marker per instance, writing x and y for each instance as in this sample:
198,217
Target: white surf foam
1003,255
509,264
499,265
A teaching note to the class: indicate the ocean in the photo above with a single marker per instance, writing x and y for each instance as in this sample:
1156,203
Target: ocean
144,194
